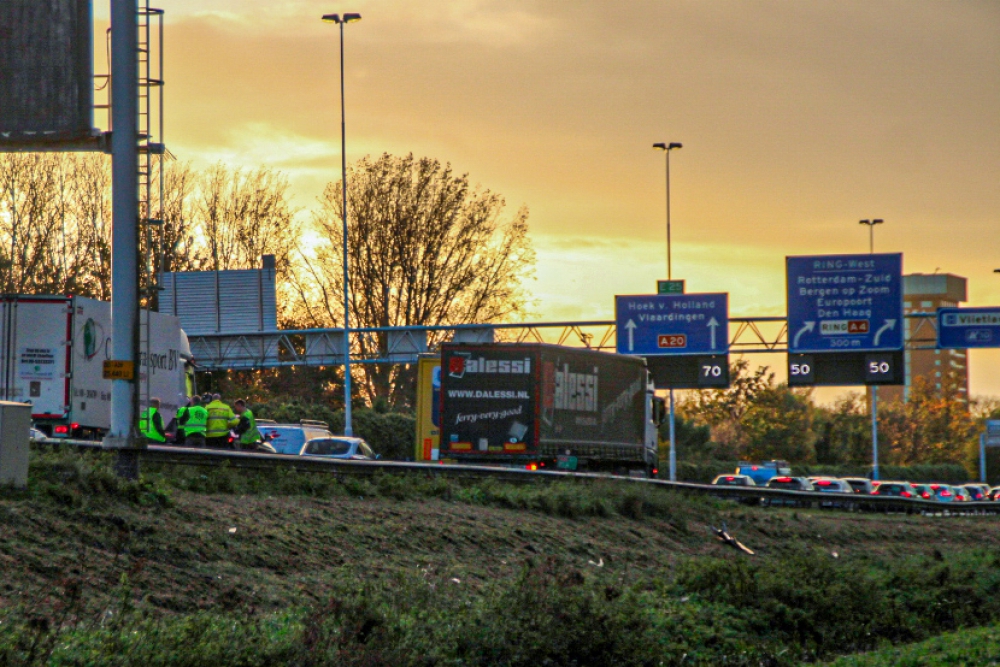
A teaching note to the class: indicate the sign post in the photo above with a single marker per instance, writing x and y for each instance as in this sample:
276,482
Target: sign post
684,337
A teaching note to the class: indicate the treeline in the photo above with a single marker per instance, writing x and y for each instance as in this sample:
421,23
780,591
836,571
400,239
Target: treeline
758,418
425,246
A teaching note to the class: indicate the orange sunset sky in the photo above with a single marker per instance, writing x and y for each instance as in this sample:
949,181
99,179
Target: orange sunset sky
797,119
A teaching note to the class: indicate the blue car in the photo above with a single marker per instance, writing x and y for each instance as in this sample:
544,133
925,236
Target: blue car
761,472
339,447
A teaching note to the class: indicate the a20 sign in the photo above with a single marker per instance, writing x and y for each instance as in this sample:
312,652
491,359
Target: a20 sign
671,341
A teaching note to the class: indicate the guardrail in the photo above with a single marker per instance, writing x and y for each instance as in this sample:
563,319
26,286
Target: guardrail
759,495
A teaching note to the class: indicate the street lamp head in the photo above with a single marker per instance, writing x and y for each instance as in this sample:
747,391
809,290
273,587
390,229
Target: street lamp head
673,146
336,18
871,223
659,147
665,147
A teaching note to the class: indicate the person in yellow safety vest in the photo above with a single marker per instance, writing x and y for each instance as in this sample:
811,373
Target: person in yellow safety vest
246,428
194,424
220,420
151,422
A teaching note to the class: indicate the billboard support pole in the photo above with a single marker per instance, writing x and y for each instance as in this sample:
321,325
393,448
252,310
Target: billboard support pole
124,232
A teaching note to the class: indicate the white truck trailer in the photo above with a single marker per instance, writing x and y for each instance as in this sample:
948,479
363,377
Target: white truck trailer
52,350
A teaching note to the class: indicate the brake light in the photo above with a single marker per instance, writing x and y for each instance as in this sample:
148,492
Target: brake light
946,493
531,466
925,495
874,492
754,468
906,494
656,472
782,479
61,429
74,426
542,464
730,479
823,482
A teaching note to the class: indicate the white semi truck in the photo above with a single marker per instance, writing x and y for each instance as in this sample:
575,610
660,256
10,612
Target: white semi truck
52,352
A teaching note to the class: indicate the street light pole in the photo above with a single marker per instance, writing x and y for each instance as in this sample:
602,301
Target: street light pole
871,250
871,232
666,148
341,21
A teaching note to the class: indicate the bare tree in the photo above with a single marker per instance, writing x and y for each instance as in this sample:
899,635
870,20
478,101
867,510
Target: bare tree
246,214
91,205
41,249
425,248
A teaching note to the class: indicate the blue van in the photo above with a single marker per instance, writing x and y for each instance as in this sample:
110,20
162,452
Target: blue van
761,472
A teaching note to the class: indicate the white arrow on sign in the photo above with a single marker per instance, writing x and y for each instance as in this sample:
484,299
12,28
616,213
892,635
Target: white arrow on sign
713,324
806,327
631,326
889,325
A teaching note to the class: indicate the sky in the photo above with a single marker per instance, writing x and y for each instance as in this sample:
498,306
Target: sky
798,119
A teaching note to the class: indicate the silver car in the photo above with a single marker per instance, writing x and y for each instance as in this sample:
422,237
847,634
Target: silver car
339,447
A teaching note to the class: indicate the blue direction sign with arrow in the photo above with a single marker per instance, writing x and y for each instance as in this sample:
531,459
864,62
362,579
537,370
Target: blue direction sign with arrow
968,327
845,303
673,324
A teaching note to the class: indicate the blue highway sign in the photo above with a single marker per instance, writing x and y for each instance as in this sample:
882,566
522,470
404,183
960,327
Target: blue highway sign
968,327
673,324
845,303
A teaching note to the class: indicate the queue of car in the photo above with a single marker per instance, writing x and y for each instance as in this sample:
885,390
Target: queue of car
856,486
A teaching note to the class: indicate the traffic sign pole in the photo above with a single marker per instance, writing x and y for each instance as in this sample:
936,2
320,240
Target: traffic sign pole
673,440
982,457
874,433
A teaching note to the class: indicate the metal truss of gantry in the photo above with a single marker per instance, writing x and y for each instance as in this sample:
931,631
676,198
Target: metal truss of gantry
323,347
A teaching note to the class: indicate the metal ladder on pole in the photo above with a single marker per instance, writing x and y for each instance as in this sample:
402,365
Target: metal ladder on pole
150,175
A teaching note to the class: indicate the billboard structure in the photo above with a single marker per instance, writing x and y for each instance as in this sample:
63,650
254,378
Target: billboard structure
47,81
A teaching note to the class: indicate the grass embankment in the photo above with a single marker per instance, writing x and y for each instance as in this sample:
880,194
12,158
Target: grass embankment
225,567
976,647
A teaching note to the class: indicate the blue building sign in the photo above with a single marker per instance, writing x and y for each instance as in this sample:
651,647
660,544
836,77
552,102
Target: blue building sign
673,324
845,303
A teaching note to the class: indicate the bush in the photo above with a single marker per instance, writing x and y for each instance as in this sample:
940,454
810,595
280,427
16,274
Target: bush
74,480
